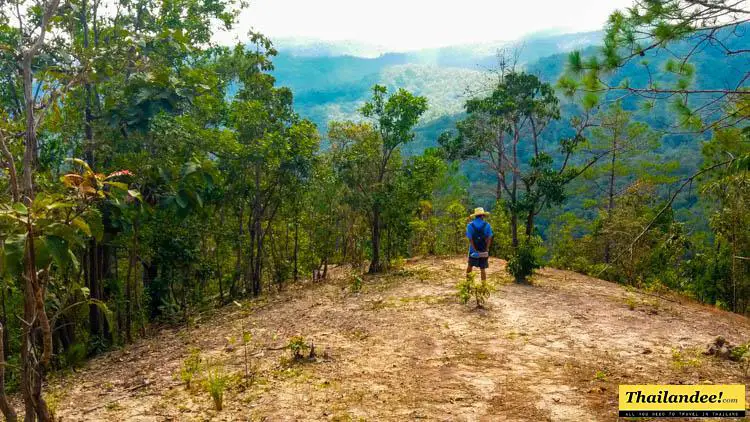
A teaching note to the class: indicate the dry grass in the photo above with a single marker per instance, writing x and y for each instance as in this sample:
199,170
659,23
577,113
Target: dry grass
404,348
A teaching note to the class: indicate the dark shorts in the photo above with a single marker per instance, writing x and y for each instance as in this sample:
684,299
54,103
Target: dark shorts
479,262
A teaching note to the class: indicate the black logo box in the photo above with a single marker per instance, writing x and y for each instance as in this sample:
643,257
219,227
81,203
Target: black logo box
682,413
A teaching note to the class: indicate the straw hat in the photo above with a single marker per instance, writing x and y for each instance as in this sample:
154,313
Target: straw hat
479,211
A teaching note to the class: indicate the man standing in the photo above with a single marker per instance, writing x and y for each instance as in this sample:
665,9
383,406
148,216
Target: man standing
479,233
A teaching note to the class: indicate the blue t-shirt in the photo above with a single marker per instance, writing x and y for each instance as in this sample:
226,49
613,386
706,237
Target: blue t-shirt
474,227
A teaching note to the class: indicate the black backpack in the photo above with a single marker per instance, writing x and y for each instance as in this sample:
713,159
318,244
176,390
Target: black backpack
477,236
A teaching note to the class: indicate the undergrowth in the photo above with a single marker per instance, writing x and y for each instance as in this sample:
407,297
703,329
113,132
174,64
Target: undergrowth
469,288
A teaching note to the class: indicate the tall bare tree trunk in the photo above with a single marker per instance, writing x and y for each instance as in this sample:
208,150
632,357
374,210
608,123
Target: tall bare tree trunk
499,187
8,412
610,203
255,251
258,267
36,328
129,295
530,224
296,247
375,265
514,191
218,261
238,263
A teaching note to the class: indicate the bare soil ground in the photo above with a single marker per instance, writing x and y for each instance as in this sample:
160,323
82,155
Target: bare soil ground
404,348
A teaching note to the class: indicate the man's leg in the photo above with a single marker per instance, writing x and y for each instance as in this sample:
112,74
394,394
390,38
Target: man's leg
468,270
484,274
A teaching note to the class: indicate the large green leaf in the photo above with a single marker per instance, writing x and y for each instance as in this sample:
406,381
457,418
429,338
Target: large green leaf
108,314
81,163
59,205
81,225
96,225
58,249
20,208
12,256
118,185
41,253
66,232
189,168
73,260
182,198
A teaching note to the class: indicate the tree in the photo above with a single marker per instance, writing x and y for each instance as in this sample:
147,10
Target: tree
74,69
505,131
408,208
727,271
325,216
44,235
368,154
275,150
28,40
681,29
626,142
662,37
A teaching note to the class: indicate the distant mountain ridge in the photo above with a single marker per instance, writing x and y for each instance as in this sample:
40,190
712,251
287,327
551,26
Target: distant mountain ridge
331,80
312,47
540,44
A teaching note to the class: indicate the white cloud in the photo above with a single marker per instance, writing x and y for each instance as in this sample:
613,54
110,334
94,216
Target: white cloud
413,24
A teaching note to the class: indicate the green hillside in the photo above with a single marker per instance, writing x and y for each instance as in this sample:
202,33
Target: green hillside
330,87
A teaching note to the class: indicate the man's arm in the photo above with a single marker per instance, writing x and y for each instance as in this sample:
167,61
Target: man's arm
489,243
470,237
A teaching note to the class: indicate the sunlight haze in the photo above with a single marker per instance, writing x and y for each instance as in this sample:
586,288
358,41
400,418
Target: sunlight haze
399,25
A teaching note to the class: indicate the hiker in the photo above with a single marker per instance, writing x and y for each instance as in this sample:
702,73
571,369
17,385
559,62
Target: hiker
479,234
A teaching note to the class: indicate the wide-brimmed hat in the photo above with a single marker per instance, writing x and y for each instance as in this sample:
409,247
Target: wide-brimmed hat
479,211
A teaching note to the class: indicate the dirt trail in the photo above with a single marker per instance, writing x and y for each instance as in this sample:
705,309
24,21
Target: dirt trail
403,348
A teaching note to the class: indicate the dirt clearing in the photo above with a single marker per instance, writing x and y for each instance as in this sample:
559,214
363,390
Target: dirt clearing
404,348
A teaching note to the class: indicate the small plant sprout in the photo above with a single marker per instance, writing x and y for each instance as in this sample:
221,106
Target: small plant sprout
190,367
356,285
463,289
297,346
469,287
683,359
482,292
215,383
631,301
742,355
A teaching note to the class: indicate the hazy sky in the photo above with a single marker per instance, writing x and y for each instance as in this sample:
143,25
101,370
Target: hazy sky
412,24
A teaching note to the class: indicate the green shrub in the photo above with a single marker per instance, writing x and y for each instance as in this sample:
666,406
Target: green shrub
463,289
469,287
482,292
525,259
297,346
741,354
397,264
356,285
